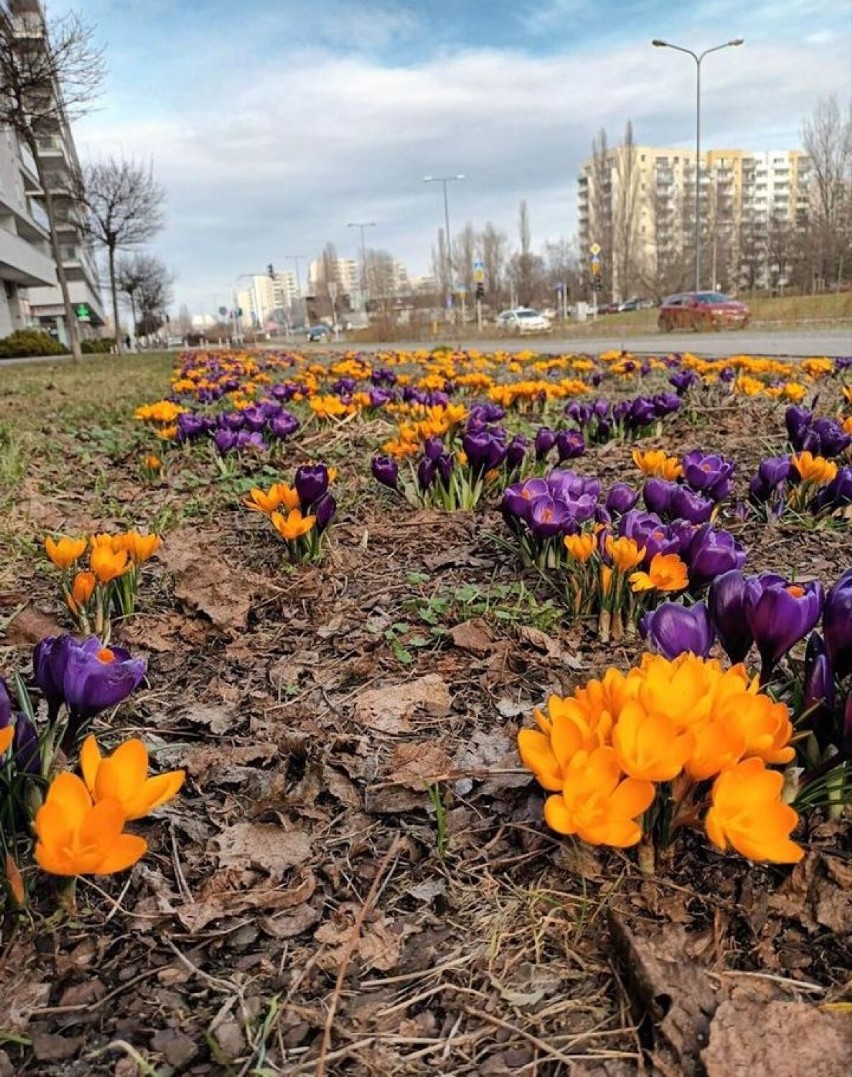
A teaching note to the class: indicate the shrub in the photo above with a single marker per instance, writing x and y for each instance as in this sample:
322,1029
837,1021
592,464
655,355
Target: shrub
98,347
24,342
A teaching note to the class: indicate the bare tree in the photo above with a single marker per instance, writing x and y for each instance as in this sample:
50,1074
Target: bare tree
492,251
147,283
49,74
124,208
626,215
525,267
600,207
827,140
439,266
464,253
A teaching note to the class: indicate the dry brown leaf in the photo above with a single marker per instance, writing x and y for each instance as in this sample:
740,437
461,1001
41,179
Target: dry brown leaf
752,1038
267,846
205,581
551,647
162,633
474,636
226,763
379,945
389,710
29,626
818,892
417,763
218,719
218,899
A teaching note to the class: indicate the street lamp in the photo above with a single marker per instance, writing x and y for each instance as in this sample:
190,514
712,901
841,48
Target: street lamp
363,225
698,57
444,180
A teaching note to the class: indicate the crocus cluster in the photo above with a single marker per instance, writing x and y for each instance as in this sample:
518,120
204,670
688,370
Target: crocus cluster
602,420
633,757
818,435
300,513
109,584
803,483
455,473
704,480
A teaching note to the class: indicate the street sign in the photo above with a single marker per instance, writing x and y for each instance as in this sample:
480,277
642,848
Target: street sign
595,248
223,311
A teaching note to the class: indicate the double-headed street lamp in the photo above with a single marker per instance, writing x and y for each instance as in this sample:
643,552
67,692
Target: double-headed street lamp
698,57
444,180
363,225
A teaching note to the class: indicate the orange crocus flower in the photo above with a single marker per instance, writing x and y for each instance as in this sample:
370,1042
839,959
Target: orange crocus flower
6,735
655,462
812,468
141,548
650,747
106,564
66,551
294,525
626,553
123,776
748,814
581,547
77,837
597,804
81,590
665,573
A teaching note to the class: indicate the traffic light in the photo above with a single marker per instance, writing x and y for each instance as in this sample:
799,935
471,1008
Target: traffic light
597,281
480,290
270,270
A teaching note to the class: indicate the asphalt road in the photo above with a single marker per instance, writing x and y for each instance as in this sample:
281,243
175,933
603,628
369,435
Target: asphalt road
795,343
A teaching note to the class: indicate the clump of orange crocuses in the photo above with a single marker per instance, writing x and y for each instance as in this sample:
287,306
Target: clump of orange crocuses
632,758
299,513
110,583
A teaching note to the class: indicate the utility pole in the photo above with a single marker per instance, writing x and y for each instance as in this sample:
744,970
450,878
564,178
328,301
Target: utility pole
363,226
295,259
444,180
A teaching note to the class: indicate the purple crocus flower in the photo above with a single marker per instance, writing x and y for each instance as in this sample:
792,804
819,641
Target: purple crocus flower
250,440
711,553
686,505
324,509
484,450
26,748
254,418
711,475
549,518
516,450
726,603
5,704
772,472
642,412
518,499
657,495
271,408
779,614
433,448
225,441
621,498
386,471
837,625
232,420
445,464
191,426
835,494
674,629
666,404
426,471
487,413
831,439
683,380
565,484
545,439
819,693
50,656
96,677
569,444
311,483
283,425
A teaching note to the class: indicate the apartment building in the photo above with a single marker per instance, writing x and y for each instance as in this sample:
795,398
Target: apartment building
268,299
26,261
57,155
345,273
638,205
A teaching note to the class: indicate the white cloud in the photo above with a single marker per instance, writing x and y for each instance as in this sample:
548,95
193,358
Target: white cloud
275,159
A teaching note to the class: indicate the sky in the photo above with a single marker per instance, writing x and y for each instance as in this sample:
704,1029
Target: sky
273,125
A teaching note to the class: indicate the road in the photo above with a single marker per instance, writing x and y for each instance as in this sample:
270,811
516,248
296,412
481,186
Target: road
795,343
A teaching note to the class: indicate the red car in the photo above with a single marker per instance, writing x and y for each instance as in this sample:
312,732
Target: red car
702,310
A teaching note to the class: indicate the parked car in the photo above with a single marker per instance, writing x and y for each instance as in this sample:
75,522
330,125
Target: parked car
702,310
629,304
320,331
609,308
522,320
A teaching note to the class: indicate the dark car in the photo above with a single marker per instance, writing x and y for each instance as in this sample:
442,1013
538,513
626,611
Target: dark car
609,308
702,310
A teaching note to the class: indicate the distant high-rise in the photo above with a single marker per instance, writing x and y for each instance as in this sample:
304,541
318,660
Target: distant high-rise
269,300
637,203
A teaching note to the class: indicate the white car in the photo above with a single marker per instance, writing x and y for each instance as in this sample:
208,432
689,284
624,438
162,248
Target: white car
523,320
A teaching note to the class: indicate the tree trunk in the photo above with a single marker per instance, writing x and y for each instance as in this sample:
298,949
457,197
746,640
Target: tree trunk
70,316
119,346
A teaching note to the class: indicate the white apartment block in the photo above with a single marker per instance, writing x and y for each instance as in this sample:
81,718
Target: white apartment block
638,205
346,274
265,295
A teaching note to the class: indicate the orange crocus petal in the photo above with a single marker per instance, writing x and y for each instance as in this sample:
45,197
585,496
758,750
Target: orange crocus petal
649,746
666,573
123,777
581,547
65,552
293,526
625,553
6,735
537,756
142,547
263,501
106,564
90,760
83,587
747,813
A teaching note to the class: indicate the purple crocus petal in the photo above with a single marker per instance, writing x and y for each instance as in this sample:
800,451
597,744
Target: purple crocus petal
569,444
225,441
518,498
685,505
837,626
5,704
674,629
426,471
232,420
779,615
50,657
283,425
545,439
97,677
819,691
657,495
711,553
726,603
549,518
386,471
311,482
516,450
250,439
621,498
324,509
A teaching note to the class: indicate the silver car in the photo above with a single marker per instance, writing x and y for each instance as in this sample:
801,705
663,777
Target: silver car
523,320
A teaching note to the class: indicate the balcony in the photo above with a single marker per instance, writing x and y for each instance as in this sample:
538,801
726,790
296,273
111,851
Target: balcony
24,262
